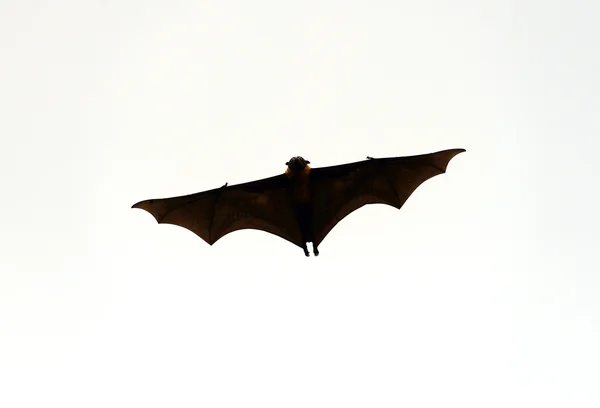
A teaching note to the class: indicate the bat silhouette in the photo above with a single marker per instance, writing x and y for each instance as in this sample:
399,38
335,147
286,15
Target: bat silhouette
303,204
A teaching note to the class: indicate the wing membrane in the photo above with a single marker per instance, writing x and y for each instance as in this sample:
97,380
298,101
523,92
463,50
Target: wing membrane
261,205
340,190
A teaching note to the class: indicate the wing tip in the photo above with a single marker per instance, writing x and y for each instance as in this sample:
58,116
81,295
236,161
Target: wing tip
146,206
456,151
142,204
446,156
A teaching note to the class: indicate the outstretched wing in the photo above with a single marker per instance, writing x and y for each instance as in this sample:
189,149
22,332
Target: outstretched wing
262,205
339,190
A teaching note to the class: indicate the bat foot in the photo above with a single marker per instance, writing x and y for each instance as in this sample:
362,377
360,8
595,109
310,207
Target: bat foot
306,250
315,250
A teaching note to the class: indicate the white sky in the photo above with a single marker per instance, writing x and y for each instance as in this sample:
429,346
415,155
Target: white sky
483,291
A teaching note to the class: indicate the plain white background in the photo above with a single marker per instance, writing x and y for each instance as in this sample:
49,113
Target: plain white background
483,291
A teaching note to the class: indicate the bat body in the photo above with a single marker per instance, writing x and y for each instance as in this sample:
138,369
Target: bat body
303,204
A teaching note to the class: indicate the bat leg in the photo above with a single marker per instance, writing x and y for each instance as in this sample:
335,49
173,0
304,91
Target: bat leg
315,249
304,217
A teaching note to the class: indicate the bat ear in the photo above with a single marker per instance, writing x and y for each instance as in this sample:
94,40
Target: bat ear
307,162
286,163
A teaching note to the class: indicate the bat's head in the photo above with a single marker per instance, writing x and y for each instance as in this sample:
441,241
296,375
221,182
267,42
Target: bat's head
297,164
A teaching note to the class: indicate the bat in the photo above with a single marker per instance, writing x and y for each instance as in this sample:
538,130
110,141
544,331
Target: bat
303,204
